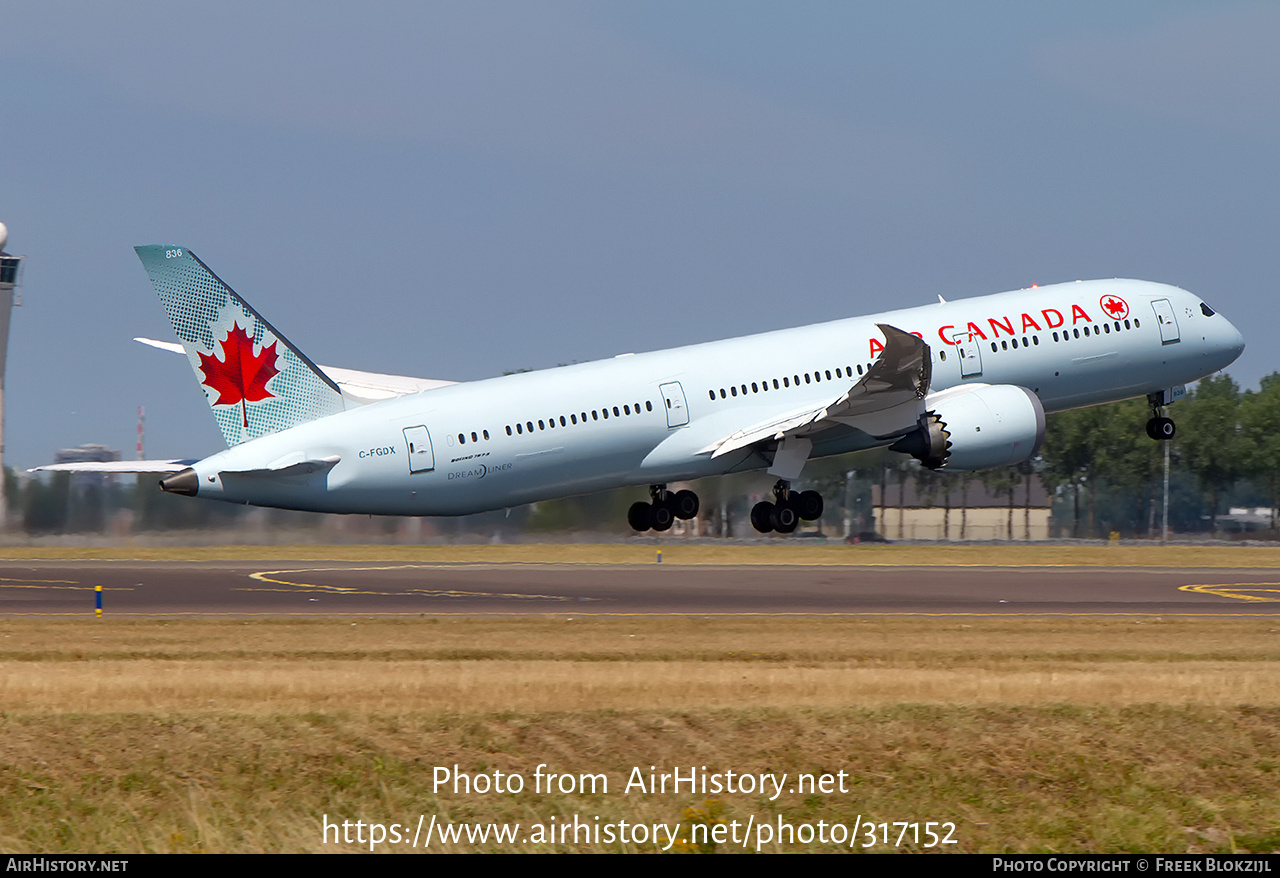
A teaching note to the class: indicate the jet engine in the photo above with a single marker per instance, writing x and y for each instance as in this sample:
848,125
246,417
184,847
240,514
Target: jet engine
976,427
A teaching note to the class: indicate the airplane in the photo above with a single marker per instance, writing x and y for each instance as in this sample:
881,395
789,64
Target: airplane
959,386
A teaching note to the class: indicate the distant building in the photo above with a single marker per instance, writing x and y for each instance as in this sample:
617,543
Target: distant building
962,512
88,454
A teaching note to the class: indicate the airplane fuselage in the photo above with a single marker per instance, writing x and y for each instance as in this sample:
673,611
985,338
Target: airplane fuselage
648,418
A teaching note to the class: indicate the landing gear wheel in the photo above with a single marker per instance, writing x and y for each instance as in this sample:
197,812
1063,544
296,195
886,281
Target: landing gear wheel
809,505
761,516
1161,429
685,505
640,516
663,516
784,518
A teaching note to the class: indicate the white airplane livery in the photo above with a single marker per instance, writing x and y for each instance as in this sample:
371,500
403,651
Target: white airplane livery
959,386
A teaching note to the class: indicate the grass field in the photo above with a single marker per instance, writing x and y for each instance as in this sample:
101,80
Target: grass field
1082,735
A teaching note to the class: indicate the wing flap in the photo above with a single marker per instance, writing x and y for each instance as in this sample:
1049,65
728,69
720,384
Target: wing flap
885,402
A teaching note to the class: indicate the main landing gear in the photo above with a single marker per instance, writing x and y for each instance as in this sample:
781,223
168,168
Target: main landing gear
664,509
787,511
1159,427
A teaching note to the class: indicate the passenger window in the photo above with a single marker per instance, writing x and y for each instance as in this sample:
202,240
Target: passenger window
775,384
829,374
486,435
755,388
648,406
520,429
508,429
626,409
562,423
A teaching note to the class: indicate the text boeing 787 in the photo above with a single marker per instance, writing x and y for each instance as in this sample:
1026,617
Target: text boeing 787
960,386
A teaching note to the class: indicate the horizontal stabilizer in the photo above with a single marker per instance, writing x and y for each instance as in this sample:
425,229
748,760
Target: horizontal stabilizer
358,387
115,466
287,467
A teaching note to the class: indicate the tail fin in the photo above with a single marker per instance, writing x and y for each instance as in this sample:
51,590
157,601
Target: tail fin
255,380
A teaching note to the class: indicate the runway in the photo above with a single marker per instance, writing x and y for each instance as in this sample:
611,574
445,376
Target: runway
167,588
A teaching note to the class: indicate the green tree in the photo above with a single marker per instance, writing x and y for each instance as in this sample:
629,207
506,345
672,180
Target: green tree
1214,446
1260,419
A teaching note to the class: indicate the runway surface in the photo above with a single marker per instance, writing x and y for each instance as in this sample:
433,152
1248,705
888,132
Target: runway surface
166,588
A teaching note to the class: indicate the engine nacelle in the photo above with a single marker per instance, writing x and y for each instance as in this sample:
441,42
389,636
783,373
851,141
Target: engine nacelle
980,426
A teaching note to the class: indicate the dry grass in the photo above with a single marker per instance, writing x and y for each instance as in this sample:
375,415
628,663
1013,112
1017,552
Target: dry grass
1030,734
768,552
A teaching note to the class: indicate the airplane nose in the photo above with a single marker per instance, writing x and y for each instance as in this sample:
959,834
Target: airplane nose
1234,340
1227,342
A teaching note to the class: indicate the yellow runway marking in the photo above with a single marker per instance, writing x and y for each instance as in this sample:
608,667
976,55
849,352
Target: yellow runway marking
1238,590
63,584
270,576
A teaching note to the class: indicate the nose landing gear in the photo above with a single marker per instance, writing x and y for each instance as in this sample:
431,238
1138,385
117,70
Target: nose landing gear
1159,428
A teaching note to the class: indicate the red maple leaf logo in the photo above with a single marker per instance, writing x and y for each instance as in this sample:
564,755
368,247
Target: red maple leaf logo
1115,306
240,377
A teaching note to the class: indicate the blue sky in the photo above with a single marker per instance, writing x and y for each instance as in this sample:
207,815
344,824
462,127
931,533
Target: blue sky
452,190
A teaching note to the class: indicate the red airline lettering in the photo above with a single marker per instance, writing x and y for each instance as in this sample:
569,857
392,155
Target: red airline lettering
1027,321
1077,314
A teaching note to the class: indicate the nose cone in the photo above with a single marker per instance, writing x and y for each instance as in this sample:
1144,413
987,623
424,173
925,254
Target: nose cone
1230,340
1223,342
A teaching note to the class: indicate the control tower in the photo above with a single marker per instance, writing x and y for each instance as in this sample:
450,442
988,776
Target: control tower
10,282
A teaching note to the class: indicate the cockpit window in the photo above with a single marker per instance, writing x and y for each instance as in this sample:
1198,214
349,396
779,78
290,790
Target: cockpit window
1206,310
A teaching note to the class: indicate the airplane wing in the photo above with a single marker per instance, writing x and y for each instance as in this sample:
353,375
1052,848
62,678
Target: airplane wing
886,402
359,387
